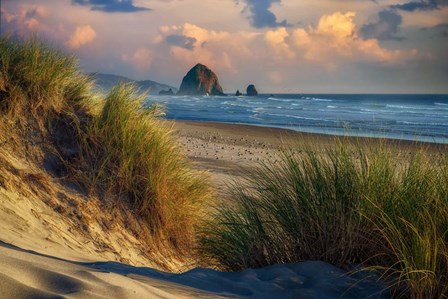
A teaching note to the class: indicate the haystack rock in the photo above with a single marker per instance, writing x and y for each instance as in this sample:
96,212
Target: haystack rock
251,90
200,80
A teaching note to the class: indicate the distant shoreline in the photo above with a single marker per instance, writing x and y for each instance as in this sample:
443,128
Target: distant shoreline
264,94
290,134
395,117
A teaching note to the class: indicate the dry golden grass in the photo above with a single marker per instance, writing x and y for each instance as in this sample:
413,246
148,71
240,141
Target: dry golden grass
111,147
384,209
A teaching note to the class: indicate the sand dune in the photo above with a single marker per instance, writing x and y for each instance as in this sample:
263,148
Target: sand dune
45,254
28,274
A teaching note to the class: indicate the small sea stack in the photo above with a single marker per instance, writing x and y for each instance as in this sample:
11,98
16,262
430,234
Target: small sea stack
166,92
238,93
251,90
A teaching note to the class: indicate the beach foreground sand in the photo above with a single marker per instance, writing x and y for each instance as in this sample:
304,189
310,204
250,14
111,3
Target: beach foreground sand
28,274
41,257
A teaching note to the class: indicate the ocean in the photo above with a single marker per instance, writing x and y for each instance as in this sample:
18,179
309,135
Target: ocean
397,116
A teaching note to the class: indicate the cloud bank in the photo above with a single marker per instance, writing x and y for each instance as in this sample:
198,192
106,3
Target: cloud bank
333,42
333,52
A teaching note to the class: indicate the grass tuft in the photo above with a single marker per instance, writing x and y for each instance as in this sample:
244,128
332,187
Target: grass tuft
39,79
351,205
129,152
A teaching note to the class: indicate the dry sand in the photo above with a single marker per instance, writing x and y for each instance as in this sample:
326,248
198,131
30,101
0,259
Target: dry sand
46,253
224,150
27,274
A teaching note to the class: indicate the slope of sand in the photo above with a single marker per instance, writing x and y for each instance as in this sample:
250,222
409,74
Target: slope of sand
39,213
27,274
52,250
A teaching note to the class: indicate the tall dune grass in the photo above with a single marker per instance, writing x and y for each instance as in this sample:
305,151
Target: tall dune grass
130,153
113,147
39,79
373,206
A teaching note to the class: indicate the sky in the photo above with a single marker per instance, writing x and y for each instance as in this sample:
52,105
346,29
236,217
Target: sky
281,46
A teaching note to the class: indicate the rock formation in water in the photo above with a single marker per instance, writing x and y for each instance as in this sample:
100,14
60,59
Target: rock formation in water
238,93
166,92
200,80
251,90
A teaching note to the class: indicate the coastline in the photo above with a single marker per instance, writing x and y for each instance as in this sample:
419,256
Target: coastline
268,132
108,200
224,150
405,117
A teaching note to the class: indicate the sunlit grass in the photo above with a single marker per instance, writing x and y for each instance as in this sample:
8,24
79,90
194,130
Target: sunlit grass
130,152
39,79
112,146
382,208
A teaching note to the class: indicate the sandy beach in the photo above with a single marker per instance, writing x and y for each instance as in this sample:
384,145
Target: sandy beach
111,187
45,253
223,150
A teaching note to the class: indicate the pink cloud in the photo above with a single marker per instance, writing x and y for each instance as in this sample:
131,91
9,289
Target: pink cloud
217,49
27,19
141,59
81,36
278,40
332,42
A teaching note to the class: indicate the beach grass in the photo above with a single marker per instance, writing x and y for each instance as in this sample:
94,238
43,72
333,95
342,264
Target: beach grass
109,144
354,205
130,153
40,80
